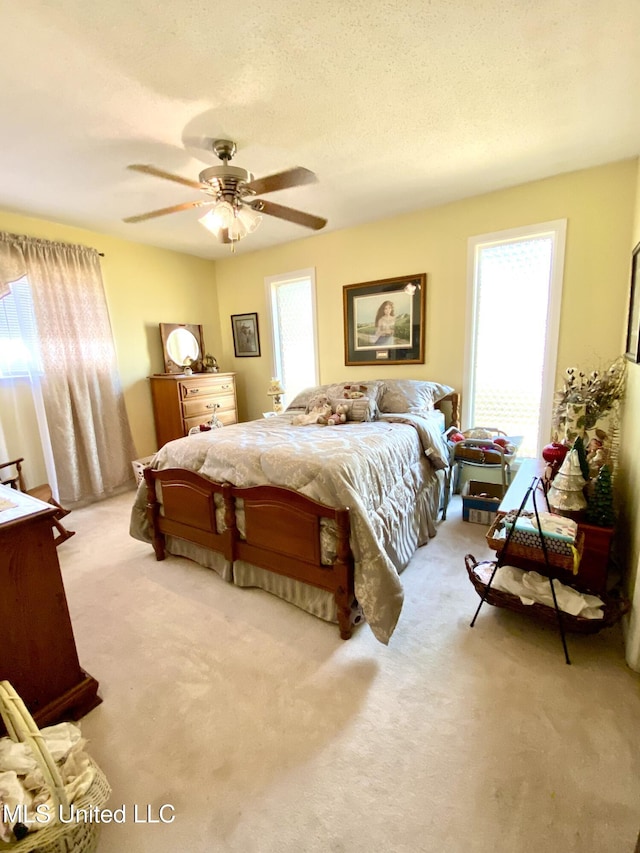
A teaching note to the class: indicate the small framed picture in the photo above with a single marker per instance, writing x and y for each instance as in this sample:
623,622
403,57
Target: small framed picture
632,351
246,338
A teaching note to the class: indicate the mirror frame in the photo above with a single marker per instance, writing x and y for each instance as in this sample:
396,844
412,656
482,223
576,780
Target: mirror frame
170,365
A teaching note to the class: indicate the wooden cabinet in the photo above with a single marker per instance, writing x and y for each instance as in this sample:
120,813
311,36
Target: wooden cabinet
181,402
39,654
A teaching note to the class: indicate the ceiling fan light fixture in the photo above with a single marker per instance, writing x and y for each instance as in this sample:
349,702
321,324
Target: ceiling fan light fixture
230,223
249,218
236,230
218,218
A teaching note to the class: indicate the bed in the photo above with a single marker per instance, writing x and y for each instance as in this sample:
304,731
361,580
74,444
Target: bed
325,517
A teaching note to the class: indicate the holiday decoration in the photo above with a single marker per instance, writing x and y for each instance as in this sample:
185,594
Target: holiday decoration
566,492
554,452
600,510
554,455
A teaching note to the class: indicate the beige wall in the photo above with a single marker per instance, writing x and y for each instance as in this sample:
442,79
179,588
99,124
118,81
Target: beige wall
598,204
629,481
144,286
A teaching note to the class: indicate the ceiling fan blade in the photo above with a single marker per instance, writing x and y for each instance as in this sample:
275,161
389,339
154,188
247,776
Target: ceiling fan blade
288,213
282,180
163,211
159,173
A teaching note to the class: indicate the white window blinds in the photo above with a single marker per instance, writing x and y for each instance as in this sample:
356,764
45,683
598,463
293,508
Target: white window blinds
18,333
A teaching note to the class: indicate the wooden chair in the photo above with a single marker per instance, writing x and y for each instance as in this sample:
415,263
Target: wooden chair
42,493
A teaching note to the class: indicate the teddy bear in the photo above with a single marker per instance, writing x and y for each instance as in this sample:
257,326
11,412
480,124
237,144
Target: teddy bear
318,412
339,416
353,392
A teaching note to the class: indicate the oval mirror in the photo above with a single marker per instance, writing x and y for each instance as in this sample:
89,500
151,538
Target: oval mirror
182,345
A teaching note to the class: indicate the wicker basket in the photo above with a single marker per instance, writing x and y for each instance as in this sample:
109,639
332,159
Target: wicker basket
613,609
536,555
55,837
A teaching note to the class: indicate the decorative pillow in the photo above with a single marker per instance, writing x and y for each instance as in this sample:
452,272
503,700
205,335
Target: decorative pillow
302,399
355,390
412,395
358,409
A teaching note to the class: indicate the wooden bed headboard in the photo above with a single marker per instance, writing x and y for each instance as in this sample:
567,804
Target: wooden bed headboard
450,405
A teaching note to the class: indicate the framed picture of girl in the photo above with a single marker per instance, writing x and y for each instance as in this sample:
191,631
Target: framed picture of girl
384,321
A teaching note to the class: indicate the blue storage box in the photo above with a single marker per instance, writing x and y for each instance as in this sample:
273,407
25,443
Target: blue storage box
480,501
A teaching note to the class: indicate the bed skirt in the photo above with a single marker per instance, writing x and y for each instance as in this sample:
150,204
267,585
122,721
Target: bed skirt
416,531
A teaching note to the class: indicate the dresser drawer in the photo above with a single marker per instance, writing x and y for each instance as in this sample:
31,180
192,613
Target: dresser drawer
202,405
227,418
193,388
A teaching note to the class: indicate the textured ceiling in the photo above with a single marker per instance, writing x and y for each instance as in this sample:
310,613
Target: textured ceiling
396,105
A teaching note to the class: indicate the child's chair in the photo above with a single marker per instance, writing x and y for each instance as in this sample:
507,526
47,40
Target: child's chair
43,493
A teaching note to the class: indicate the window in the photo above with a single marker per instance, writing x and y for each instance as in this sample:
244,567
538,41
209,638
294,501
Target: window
293,318
18,333
512,336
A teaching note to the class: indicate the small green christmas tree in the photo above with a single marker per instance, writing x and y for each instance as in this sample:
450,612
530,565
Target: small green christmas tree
600,509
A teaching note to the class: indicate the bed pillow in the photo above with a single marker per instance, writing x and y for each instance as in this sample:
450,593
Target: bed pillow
359,409
412,395
301,401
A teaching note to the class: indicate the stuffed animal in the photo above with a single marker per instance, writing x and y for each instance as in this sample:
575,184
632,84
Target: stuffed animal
339,416
353,392
319,412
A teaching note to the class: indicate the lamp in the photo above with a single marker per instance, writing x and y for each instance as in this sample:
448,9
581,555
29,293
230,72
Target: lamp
276,391
236,219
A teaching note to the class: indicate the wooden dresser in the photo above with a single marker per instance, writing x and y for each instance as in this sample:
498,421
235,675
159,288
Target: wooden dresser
39,654
181,402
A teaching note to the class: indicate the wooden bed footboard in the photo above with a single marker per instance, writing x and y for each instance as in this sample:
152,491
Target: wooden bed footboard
189,510
282,530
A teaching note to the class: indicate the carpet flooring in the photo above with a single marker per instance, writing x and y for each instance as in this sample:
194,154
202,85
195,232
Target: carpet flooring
258,729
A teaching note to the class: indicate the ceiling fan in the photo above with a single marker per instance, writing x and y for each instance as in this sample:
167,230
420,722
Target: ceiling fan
230,196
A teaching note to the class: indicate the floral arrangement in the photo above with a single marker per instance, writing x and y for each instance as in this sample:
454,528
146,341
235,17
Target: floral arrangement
588,402
587,399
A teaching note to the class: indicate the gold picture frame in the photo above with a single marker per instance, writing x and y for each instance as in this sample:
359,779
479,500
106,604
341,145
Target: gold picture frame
384,321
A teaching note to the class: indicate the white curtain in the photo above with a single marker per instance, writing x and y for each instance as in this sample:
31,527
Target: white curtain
82,416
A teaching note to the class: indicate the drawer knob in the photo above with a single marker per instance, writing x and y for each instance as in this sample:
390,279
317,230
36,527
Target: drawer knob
193,390
212,406
225,387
